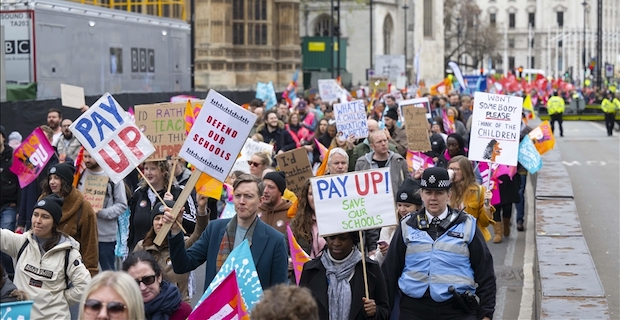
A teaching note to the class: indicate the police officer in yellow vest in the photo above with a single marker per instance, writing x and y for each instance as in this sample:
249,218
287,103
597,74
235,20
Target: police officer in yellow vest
438,265
616,102
555,108
609,108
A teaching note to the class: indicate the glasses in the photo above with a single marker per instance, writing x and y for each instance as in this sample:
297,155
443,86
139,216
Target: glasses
254,164
113,308
455,169
148,280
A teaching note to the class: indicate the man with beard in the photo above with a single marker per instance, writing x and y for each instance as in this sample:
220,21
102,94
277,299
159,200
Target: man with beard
396,136
54,117
273,209
68,145
114,204
390,102
306,117
274,133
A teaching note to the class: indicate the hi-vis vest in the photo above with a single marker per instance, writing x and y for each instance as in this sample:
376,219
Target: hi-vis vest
608,106
437,264
555,105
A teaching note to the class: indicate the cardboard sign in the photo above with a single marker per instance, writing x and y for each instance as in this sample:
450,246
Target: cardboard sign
111,138
296,167
496,128
330,91
380,84
353,201
418,103
218,135
95,189
31,157
164,125
351,119
417,129
249,148
72,96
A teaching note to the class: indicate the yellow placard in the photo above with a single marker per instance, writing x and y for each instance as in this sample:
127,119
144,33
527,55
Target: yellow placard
316,46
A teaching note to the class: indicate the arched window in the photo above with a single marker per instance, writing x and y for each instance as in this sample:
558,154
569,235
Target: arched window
388,29
322,26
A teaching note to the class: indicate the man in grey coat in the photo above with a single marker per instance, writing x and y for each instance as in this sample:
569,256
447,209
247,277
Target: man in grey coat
382,157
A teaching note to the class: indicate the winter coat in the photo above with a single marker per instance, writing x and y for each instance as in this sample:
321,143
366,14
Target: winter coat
280,139
397,164
42,277
162,255
276,217
473,203
31,193
80,222
399,138
9,190
361,150
71,150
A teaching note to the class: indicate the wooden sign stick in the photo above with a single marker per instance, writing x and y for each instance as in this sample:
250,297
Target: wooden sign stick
364,263
157,194
180,202
174,166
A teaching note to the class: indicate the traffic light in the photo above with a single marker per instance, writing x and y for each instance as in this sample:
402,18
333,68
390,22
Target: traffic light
519,72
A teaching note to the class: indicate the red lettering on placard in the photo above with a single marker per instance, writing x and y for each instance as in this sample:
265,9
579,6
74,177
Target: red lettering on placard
131,143
114,165
375,177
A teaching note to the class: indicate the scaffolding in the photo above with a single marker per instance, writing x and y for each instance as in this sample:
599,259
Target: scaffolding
161,8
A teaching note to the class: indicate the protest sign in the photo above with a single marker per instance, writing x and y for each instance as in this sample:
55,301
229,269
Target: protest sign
353,201
19,310
329,90
31,156
95,189
164,125
496,128
72,96
418,103
417,160
267,93
529,157
416,128
111,138
351,119
378,84
215,140
224,304
542,137
296,167
249,148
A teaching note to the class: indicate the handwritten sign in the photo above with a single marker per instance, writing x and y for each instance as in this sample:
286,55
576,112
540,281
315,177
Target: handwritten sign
249,148
95,189
72,96
351,119
417,129
31,156
111,138
496,127
217,136
296,167
164,125
330,91
353,201
418,103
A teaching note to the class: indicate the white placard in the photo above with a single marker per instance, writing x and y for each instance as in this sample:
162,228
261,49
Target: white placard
353,201
329,90
111,138
249,148
418,103
217,136
351,119
72,96
496,128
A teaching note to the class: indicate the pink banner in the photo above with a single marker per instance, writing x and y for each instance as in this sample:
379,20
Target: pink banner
417,160
31,156
492,182
298,255
225,302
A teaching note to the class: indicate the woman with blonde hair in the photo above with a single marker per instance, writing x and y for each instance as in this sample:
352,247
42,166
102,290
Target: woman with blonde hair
304,225
470,196
112,295
258,163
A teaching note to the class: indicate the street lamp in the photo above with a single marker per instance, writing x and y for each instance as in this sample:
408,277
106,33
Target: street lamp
405,7
585,68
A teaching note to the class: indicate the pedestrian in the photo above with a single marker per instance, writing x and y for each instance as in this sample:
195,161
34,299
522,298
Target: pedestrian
67,144
609,109
284,302
304,226
10,194
456,282
555,109
273,208
112,295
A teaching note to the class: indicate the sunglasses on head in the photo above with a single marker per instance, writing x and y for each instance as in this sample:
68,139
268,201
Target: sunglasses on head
113,308
254,164
148,280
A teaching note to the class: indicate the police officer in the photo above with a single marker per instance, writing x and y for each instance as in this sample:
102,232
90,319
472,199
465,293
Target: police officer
609,109
616,102
555,108
438,260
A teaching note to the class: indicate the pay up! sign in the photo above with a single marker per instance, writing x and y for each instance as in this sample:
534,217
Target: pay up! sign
217,136
111,138
353,201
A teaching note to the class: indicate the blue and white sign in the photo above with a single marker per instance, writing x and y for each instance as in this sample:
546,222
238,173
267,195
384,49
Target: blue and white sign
529,157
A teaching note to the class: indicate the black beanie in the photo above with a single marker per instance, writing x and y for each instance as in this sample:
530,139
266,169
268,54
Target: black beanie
278,178
64,170
53,205
392,114
159,208
408,192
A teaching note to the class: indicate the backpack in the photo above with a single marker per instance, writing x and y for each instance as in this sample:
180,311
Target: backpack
21,250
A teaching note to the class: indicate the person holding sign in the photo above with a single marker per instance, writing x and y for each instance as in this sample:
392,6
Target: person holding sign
273,209
439,260
336,280
396,136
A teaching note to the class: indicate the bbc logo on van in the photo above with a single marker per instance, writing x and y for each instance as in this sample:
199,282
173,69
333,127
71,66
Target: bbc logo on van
17,47
142,60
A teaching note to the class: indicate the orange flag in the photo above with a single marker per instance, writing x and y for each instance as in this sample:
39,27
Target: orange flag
323,168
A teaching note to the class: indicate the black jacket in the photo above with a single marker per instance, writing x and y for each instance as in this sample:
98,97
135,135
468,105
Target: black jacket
9,190
479,257
313,277
279,138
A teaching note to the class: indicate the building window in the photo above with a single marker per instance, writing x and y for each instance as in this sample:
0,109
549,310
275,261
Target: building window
493,18
428,18
560,18
532,63
511,63
238,33
249,26
560,44
388,28
322,26
511,42
531,19
238,10
511,20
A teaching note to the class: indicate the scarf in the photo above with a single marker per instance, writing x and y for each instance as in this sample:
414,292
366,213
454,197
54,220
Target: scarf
338,286
165,304
228,241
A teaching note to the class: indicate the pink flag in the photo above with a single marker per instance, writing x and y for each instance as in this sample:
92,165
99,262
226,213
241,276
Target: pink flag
448,126
417,160
321,147
298,255
224,303
490,179
31,156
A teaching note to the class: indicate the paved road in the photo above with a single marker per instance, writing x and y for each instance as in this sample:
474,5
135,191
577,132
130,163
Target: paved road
592,160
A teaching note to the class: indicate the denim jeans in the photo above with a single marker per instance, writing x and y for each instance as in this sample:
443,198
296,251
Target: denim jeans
7,221
521,204
106,255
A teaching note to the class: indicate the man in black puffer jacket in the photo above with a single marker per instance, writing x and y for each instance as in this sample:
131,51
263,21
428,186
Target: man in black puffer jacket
9,195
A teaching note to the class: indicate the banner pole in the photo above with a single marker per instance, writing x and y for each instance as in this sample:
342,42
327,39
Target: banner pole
364,264
159,198
174,166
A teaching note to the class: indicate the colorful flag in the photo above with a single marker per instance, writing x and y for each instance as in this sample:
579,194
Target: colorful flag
239,260
490,172
298,255
448,124
323,167
267,93
529,108
543,138
417,160
80,166
225,303
529,157
30,158
322,149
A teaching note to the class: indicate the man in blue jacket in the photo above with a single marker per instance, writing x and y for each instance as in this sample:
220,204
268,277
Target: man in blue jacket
223,235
